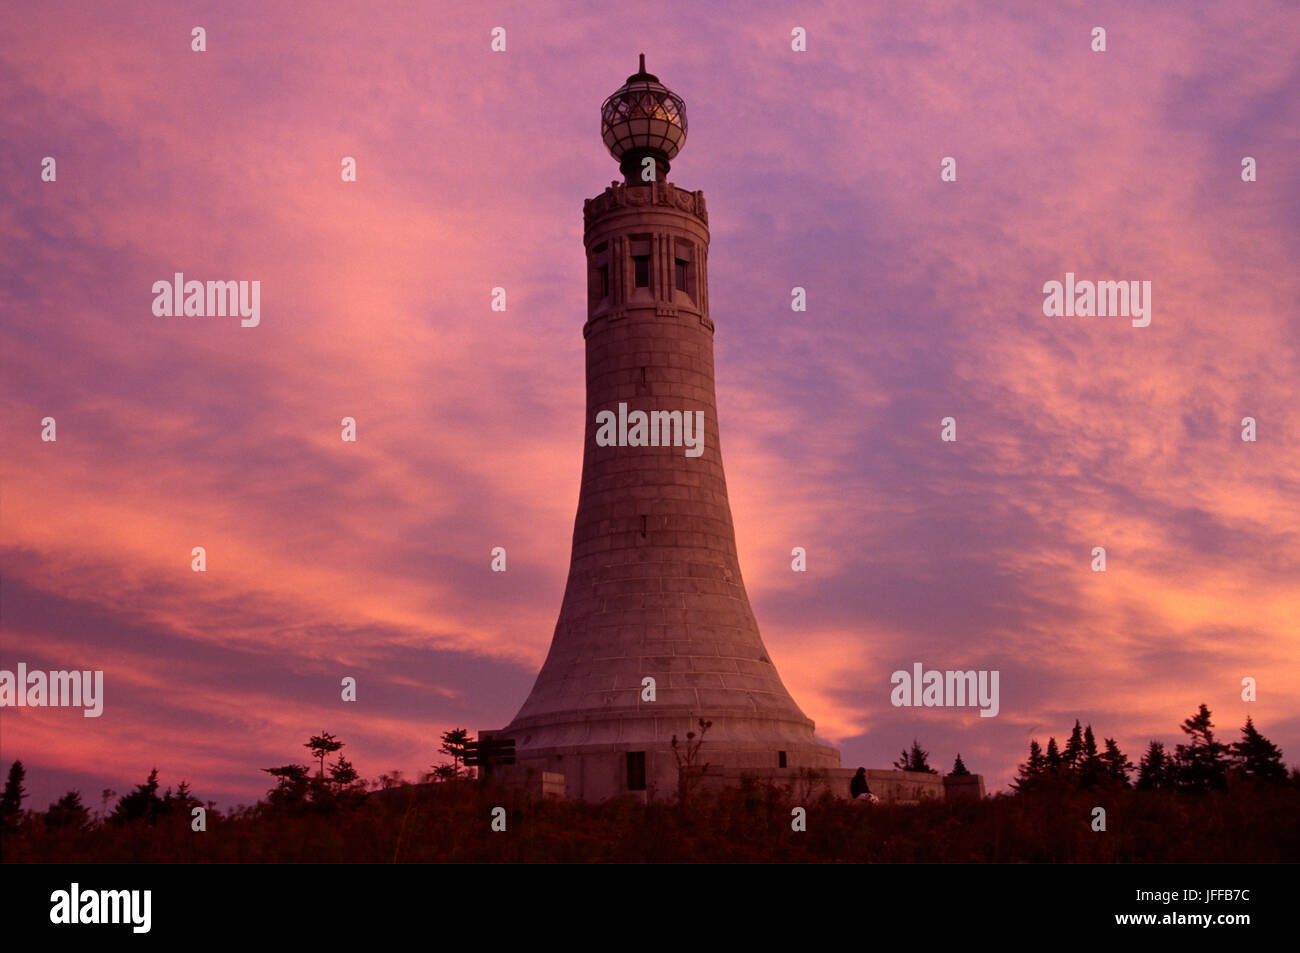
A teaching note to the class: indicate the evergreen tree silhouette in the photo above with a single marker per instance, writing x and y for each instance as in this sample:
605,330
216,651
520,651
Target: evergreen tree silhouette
1053,763
1115,766
68,813
958,768
1258,758
1032,769
1156,769
1073,755
321,745
453,745
915,760
1091,769
183,802
11,802
342,773
142,804
1202,763
291,792
349,790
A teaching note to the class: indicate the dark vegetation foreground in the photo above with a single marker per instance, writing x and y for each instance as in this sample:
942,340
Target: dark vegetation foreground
452,822
1204,802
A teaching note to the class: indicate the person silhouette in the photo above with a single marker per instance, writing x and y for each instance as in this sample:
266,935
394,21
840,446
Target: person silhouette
858,786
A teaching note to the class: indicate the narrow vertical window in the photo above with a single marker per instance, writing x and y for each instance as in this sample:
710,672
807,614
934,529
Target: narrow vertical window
636,770
780,759
681,274
604,281
641,265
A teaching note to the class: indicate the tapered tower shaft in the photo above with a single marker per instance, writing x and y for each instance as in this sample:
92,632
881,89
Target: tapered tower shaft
654,588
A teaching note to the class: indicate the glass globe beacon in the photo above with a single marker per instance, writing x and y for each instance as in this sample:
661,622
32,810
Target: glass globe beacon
644,118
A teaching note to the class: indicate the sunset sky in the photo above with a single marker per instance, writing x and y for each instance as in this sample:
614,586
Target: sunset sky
821,169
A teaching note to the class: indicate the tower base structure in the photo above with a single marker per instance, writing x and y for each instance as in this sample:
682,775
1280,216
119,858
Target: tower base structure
590,773
632,752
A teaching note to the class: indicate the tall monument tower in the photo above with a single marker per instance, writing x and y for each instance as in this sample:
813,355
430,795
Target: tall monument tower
654,588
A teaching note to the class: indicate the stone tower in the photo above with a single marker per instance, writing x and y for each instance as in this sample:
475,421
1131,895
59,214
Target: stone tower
654,588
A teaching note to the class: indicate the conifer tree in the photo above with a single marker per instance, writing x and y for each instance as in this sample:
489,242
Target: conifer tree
11,802
958,767
454,743
1257,757
68,813
1202,763
1155,770
183,802
1073,755
342,773
142,804
1115,766
1037,762
321,745
915,760
1053,763
1032,769
1091,769
291,791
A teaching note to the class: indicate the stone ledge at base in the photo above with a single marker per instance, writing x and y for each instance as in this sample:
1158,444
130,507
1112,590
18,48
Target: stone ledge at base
891,787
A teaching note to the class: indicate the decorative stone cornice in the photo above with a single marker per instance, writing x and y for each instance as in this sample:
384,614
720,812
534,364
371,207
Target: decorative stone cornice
619,195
